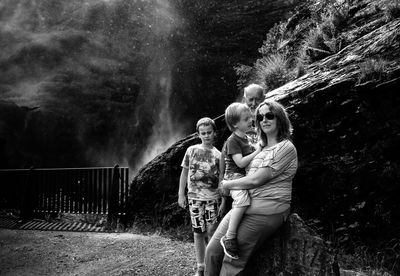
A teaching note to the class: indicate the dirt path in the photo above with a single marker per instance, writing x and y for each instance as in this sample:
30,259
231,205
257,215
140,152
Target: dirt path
27,252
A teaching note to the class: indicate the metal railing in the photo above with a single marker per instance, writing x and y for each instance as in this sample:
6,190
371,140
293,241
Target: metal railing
66,190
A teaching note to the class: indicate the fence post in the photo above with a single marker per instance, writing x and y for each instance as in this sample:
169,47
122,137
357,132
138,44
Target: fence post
27,196
113,198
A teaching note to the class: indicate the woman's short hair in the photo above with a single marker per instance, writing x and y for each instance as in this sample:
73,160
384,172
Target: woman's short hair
283,123
206,121
233,113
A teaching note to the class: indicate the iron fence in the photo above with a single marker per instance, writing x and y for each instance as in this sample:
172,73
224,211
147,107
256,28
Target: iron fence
66,190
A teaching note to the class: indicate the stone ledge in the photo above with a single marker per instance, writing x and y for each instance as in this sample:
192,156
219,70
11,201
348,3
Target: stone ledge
294,250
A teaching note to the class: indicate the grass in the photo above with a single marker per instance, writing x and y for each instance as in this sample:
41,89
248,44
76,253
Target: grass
272,71
392,9
324,38
314,47
152,226
370,262
372,69
292,45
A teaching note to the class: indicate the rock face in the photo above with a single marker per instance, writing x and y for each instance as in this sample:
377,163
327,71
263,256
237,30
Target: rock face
294,250
346,132
346,119
338,120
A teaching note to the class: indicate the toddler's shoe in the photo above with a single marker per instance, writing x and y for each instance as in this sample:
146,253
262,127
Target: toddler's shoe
199,272
230,247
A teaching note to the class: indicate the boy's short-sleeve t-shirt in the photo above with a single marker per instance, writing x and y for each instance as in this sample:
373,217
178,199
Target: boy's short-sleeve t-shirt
235,145
203,176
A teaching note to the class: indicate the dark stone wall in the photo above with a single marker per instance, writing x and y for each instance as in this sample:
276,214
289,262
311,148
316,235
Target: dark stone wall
346,134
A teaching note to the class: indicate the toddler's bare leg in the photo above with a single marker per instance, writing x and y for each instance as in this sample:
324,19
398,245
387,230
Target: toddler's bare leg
236,217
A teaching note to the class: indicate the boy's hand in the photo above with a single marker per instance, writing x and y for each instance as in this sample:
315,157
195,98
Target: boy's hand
182,201
259,146
222,210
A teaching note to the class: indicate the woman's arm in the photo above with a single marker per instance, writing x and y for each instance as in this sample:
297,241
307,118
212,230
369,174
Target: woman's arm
258,178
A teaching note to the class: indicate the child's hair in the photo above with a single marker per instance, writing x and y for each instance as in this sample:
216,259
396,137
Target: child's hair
233,112
283,123
206,121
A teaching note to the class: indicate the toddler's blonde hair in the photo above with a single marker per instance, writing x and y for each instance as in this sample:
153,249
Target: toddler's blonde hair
233,112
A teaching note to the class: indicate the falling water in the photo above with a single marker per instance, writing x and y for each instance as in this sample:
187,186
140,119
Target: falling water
165,131
101,67
93,82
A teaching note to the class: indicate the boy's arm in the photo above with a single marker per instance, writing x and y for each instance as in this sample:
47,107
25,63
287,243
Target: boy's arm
224,192
241,161
182,185
221,167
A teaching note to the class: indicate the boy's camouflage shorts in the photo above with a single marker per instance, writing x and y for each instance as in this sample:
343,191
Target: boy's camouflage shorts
203,213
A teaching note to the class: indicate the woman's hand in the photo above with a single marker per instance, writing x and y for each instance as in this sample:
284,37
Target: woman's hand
222,210
223,190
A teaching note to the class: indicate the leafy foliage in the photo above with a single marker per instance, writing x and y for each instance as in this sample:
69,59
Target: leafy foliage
275,41
313,33
244,73
272,71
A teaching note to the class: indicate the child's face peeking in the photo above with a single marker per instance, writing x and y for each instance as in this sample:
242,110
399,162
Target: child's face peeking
245,123
206,134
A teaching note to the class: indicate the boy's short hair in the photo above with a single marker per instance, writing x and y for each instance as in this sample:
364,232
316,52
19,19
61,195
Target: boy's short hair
206,121
233,113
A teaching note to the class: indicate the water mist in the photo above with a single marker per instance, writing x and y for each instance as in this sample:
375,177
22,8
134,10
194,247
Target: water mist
93,81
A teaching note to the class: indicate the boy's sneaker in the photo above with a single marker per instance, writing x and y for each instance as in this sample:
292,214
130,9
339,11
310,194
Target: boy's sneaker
199,272
230,247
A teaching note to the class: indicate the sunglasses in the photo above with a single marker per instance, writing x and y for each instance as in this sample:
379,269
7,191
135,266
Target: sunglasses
268,116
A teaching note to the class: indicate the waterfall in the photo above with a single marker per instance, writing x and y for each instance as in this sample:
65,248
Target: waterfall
97,75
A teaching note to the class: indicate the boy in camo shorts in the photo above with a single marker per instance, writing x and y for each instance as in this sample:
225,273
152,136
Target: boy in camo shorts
200,171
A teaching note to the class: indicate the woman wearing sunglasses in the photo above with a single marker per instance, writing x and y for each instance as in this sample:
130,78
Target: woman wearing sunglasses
269,182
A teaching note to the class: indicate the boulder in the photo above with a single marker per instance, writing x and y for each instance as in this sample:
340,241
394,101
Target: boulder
295,249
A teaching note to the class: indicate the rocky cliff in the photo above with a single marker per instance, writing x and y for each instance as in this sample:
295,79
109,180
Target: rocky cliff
346,120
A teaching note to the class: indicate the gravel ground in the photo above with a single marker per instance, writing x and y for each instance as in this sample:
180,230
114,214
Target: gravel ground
29,252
